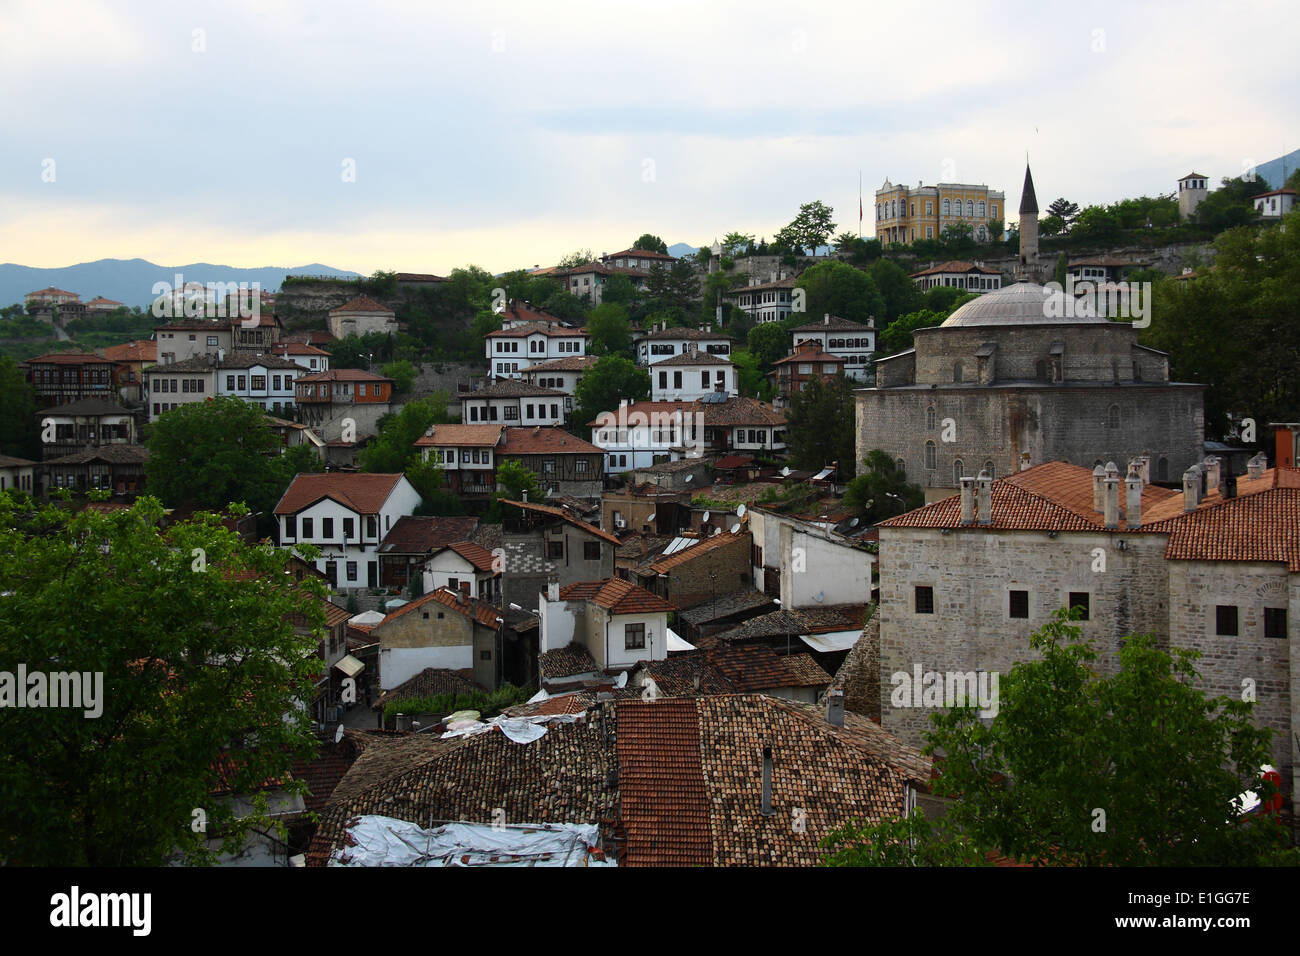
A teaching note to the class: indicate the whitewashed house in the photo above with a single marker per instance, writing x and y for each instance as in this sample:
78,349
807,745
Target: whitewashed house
851,341
346,516
461,561
663,342
562,375
512,402
617,622
511,351
691,375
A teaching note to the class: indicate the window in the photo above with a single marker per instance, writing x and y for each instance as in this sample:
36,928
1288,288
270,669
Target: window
453,584
259,383
327,528
1112,417
956,373
580,466
901,466
464,457
485,655
930,418
307,528
677,379
633,636
663,379
1019,604
1082,600
370,526
947,207
348,528
924,599
931,456
1275,622
511,413
591,550
555,549
352,570
1225,620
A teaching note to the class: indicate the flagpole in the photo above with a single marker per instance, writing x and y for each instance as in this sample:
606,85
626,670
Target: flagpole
859,204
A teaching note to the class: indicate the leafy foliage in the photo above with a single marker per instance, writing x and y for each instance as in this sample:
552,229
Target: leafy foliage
402,373
612,379
821,425
812,227
392,449
840,289
650,243
610,331
488,704
899,841
20,434
202,671
517,482
882,491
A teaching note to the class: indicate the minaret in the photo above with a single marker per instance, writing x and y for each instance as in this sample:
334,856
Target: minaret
1028,271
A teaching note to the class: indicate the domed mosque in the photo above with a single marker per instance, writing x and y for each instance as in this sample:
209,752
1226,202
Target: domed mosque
1023,375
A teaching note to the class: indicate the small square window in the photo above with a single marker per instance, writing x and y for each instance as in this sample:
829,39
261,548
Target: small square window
591,550
1225,620
1020,604
1081,600
924,599
485,655
1275,622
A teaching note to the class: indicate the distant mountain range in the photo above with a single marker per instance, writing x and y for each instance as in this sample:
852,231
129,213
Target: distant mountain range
131,281
680,249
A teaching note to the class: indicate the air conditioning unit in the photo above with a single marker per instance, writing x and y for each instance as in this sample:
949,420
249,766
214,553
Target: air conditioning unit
620,523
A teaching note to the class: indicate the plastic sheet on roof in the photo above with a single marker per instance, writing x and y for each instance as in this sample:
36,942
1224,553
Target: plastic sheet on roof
676,643
387,841
834,641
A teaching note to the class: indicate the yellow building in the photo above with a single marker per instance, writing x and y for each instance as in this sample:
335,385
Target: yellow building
904,215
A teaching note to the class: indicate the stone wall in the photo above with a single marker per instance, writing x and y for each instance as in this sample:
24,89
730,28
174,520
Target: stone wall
1050,422
690,584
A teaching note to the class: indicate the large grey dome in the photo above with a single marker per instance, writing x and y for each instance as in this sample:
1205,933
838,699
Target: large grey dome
1025,303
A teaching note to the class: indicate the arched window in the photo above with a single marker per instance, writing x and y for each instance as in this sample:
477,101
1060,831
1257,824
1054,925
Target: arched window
931,455
970,209
1162,469
958,472
947,207
956,373
988,466
981,208
929,419
901,466
1112,417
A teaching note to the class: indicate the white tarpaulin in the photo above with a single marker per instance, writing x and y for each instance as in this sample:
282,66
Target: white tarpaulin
834,641
386,841
521,731
350,666
675,643
516,731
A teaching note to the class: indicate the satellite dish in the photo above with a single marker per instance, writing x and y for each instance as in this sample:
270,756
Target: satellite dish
735,528
819,597
740,512
716,532
785,472
338,734
705,519
621,680
688,479
853,523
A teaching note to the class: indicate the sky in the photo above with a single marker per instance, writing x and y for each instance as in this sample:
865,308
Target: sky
421,136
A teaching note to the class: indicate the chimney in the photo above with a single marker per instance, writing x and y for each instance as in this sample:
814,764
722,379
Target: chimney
553,590
463,596
1191,489
1112,502
1255,467
984,498
767,781
1212,472
1098,490
967,500
1228,488
835,707
1024,461
1144,468
1133,498
827,319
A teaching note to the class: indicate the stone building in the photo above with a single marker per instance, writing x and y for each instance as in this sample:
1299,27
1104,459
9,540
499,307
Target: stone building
1023,373
1215,568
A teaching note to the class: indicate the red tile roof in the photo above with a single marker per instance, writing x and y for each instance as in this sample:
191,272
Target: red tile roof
363,493
297,348
477,555
665,805
536,328
141,350
361,303
419,535
545,441
808,351
956,266
458,435
616,595
343,375
473,608
69,358
570,363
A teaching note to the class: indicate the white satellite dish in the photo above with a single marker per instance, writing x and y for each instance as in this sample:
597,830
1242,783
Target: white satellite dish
688,479
338,734
735,528
853,523
740,512
716,532
621,680
785,472
705,519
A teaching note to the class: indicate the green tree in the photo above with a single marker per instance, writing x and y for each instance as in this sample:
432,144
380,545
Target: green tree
750,380
882,491
1231,204
297,460
215,453
516,481
612,379
958,239
897,336
821,425
650,243
620,290
402,373
1097,225
20,433
737,243
203,671
840,289
395,444
579,257
897,288
899,841
996,228
610,331
1159,758
768,341
1062,269
1051,226
811,228
1063,210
